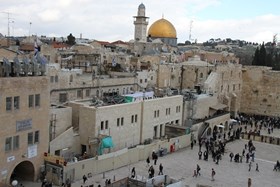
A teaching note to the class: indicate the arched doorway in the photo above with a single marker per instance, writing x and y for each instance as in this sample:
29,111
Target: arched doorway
226,125
221,128
24,171
209,131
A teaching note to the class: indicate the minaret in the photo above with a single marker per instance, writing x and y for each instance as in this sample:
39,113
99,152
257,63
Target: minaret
141,23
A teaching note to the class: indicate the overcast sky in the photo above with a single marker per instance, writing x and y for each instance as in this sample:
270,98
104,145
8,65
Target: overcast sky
111,20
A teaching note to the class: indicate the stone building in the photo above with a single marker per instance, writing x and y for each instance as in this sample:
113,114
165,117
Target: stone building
24,113
128,124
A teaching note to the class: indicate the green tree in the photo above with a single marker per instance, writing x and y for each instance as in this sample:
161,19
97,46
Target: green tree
70,39
256,59
262,56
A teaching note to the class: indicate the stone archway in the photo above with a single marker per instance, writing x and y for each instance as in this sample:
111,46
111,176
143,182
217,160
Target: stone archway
209,132
24,171
226,125
221,129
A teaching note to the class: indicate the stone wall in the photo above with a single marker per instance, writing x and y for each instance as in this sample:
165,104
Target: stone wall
260,92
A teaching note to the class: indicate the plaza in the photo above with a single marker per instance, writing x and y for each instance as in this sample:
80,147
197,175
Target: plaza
180,166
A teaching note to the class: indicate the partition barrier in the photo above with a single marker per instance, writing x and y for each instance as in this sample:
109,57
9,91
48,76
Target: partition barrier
125,157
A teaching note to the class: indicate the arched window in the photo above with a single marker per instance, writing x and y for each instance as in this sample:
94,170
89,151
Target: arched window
201,75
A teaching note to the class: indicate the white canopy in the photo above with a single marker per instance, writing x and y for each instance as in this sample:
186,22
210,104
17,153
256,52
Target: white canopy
220,126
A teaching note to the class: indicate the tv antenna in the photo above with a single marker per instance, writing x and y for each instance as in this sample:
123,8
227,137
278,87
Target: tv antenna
9,21
190,34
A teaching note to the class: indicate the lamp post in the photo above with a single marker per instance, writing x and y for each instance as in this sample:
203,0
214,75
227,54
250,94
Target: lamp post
14,183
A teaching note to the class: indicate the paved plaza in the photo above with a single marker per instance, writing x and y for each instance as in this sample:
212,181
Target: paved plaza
180,166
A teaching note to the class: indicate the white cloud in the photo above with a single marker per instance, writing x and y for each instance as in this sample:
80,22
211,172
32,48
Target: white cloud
49,15
113,20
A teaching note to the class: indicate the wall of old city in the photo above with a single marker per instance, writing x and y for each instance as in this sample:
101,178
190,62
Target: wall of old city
260,92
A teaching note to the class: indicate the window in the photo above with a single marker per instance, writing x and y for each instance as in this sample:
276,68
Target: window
167,111
157,113
201,75
30,138
145,80
16,142
8,103
79,94
135,118
87,93
132,119
233,87
37,100
118,122
122,121
228,88
8,144
178,109
31,101
106,124
16,103
102,125
140,80
222,88
56,78
152,78
36,137
52,79
62,97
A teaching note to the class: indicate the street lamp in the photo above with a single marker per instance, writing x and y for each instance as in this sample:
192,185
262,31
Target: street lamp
14,183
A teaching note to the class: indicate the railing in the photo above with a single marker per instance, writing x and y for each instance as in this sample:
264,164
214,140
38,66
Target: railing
206,125
261,138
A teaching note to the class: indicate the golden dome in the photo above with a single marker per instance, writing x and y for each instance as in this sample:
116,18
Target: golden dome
162,29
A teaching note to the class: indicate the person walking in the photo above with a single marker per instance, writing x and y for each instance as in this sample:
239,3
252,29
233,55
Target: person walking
160,169
257,167
194,173
250,165
197,170
148,161
213,174
84,179
231,156
133,173
192,145
199,155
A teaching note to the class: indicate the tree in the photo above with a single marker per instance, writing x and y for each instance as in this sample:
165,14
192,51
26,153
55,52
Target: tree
70,39
262,56
256,59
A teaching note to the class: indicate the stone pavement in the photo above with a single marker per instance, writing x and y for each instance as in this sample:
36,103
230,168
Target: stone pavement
180,166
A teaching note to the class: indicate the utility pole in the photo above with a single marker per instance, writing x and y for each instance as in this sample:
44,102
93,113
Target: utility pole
8,38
